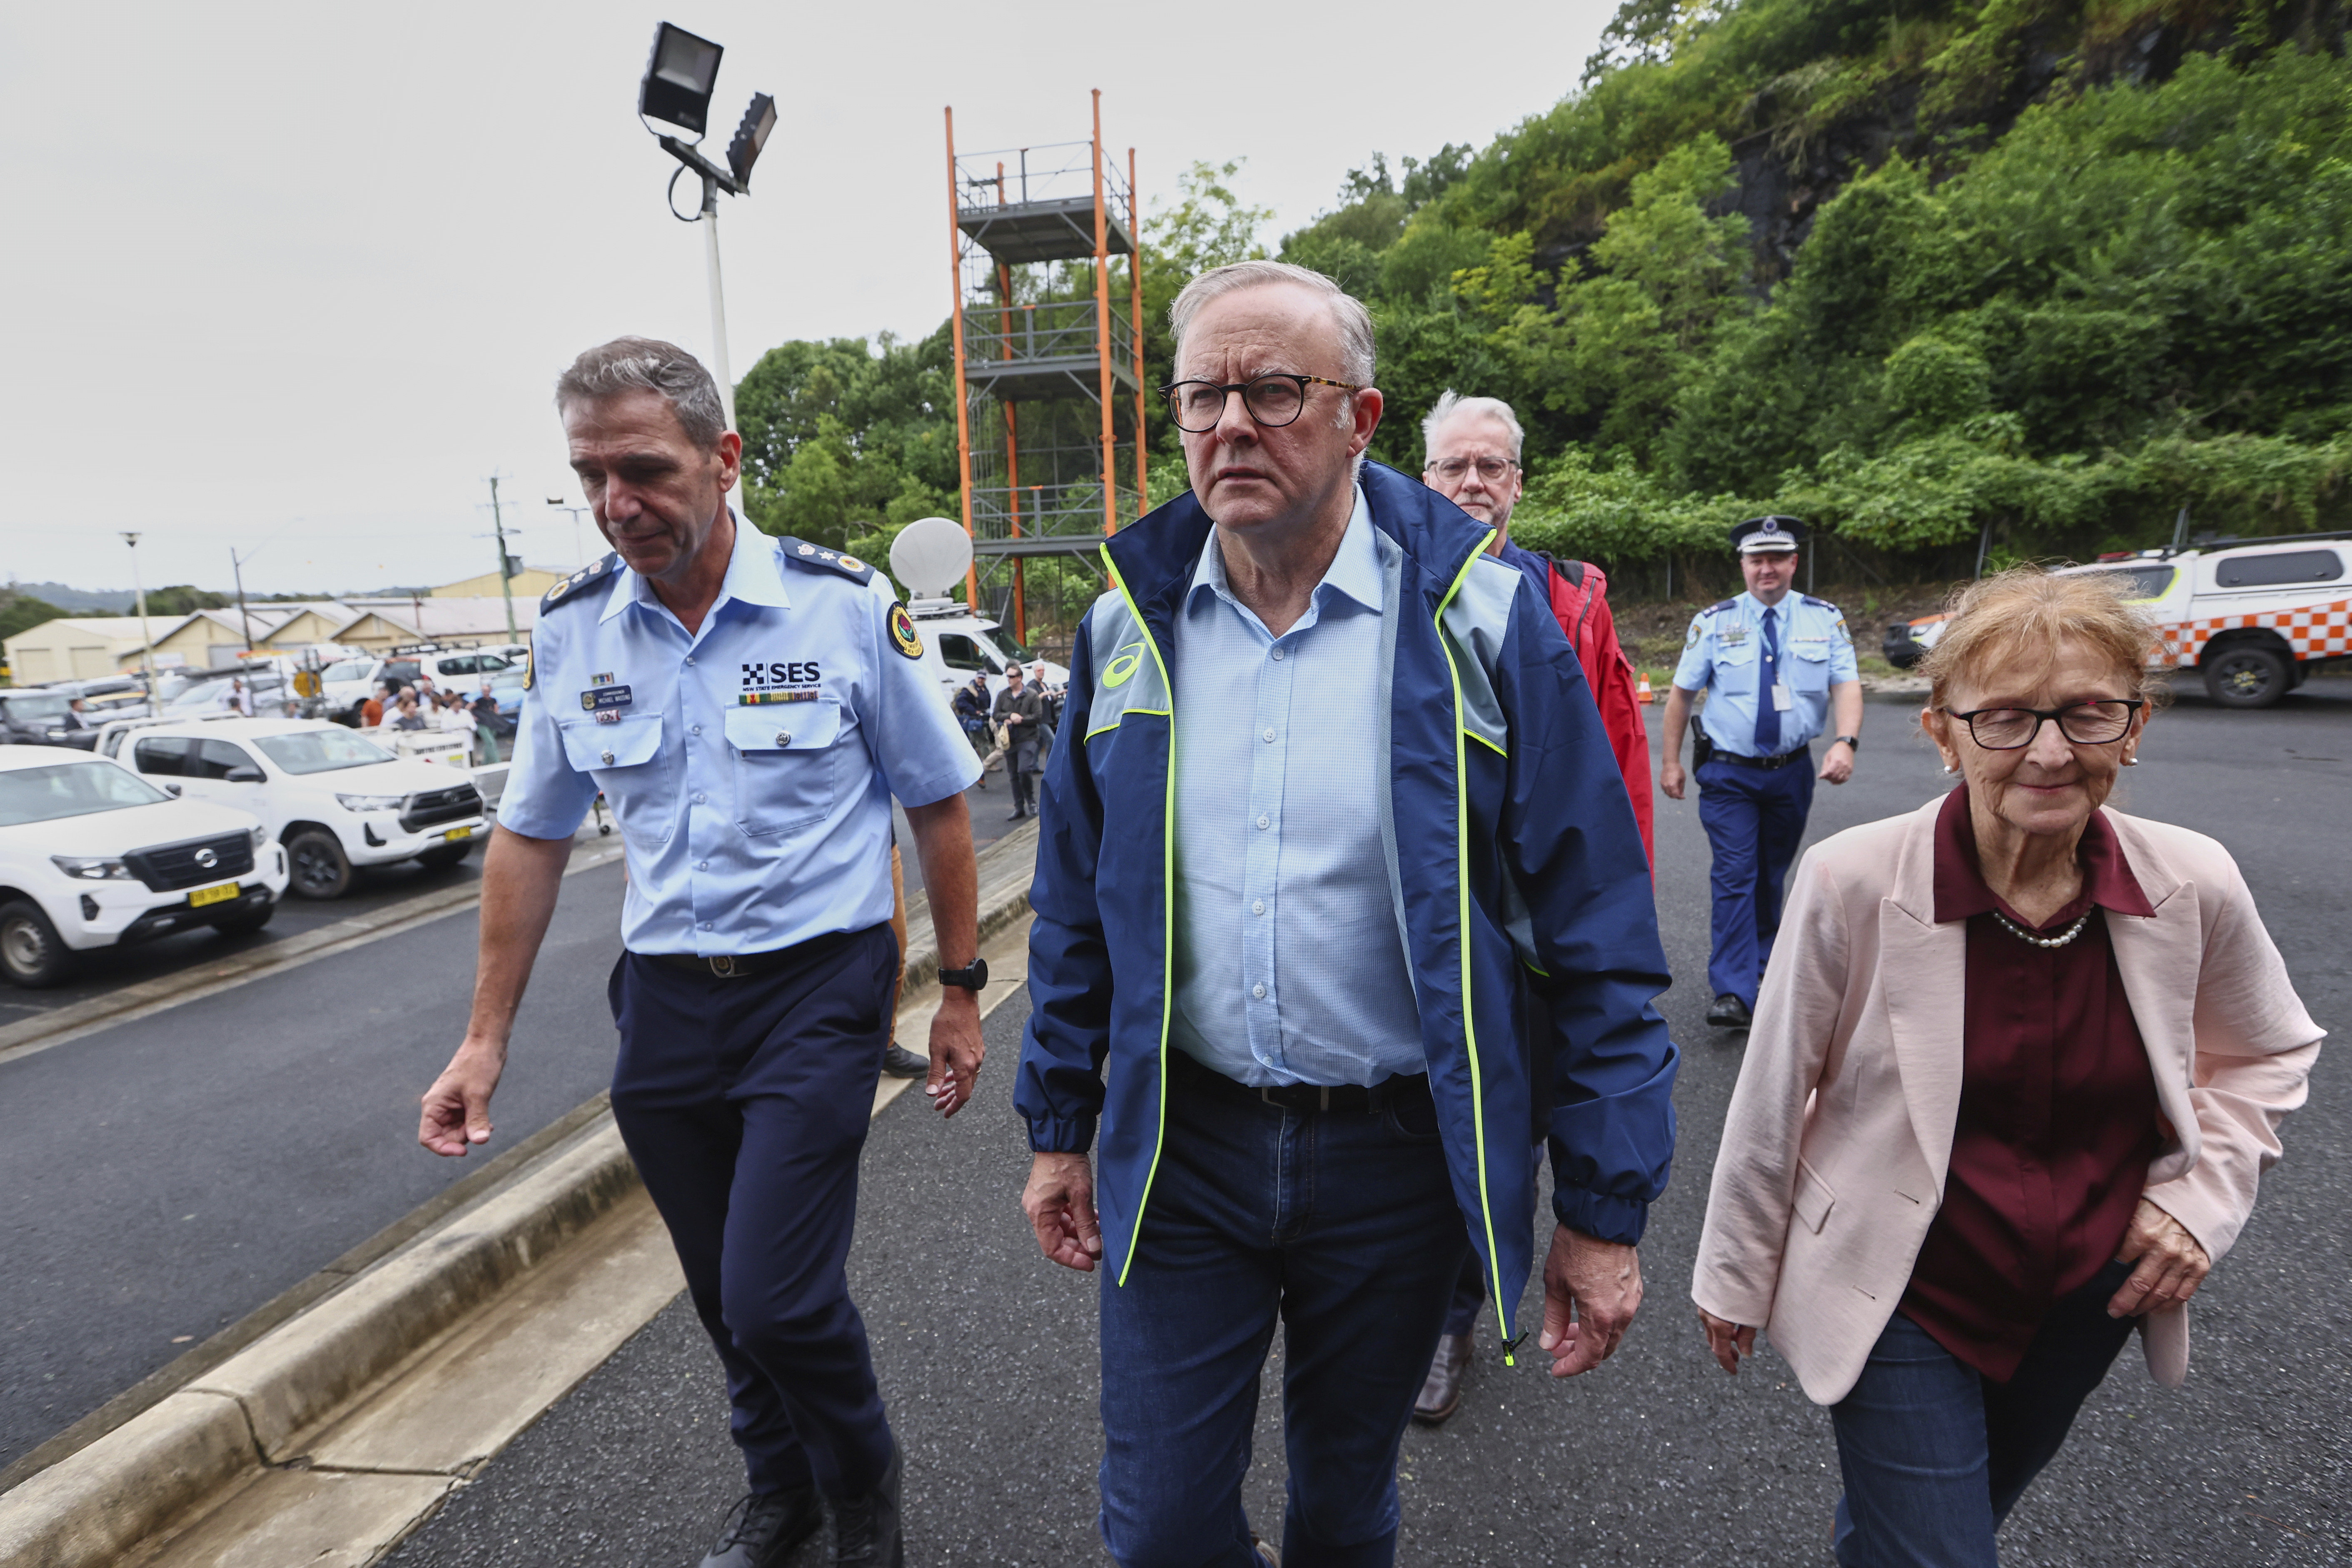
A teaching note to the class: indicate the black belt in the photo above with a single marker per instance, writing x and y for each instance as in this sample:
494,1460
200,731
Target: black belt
1352,1099
744,965
1802,754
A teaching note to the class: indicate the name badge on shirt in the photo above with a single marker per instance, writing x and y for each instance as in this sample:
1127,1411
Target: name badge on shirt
1781,700
600,699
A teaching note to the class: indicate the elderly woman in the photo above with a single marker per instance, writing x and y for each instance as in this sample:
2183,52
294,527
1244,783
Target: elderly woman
2017,1064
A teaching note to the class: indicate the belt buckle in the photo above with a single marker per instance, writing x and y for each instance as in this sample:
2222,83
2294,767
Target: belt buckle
723,967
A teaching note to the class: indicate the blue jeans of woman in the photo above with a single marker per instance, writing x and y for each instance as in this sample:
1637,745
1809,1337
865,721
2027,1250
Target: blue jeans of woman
1935,1454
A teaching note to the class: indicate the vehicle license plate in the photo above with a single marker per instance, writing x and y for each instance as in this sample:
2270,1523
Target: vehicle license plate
216,894
460,833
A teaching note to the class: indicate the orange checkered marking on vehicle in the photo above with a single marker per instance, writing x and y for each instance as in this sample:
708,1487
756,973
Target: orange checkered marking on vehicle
2314,631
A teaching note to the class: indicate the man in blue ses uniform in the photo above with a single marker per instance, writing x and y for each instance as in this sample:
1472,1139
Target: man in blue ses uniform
748,705
1773,665
1330,799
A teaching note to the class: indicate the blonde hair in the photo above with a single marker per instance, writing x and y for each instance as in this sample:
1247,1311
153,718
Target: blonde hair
2030,608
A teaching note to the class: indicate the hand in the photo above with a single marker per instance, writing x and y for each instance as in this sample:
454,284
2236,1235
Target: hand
1728,1342
1837,763
1601,1282
2171,1264
457,1106
1670,779
1060,1202
957,1050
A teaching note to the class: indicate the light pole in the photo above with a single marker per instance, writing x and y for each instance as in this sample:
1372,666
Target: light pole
236,566
506,563
579,557
679,76
146,638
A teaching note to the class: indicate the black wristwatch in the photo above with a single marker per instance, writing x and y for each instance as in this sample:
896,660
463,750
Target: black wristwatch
969,979
1853,742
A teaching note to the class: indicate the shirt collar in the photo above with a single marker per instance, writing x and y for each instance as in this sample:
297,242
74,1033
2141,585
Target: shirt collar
1755,607
754,574
1961,889
1355,571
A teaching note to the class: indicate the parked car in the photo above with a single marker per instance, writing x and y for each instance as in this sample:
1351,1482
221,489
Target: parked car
336,800
216,691
92,855
34,716
2253,617
347,683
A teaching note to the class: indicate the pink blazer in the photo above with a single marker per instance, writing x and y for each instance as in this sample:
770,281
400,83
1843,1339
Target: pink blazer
1840,1131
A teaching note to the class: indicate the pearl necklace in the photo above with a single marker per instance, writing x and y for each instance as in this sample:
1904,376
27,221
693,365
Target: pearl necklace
2023,934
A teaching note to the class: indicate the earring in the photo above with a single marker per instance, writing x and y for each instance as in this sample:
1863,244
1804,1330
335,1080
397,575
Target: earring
2131,762
1950,768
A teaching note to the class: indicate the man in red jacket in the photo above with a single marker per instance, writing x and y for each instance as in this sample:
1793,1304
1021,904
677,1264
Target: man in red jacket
1472,446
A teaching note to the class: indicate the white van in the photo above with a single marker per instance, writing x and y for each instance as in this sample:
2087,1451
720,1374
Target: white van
965,645
336,800
347,683
92,855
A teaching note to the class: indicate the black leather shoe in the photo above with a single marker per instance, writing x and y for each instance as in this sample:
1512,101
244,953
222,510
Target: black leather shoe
866,1529
762,1529
1440,1397
900,1062
1016,816
1728,1013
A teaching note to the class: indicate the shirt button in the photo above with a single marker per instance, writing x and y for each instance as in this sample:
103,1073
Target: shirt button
608,759
696,731
706,925
1278,653
703,865
1265,821
1258,990
1269,736
698,799
1258,907
689,659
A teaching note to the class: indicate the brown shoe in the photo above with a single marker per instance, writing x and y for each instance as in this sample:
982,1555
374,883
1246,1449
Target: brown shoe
1440,1397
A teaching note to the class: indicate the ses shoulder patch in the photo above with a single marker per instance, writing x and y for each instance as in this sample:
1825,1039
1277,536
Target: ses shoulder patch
903,635
569,589
816,557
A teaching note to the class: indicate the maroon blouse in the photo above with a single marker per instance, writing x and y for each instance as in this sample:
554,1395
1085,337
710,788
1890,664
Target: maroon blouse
2058,1109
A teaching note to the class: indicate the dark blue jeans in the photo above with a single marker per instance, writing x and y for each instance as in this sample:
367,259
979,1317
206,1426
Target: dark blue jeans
1755,819
1935,1454
1340,1226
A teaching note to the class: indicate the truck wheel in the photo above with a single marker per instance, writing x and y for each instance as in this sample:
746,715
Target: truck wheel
444,855
2250,676
321,869
245,920
31,951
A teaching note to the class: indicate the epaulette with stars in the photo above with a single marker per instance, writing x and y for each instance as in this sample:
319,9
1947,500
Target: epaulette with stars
1718,609
569,589
816,557
1820,603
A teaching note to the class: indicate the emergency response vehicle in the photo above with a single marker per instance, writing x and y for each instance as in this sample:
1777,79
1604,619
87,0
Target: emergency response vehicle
2253,617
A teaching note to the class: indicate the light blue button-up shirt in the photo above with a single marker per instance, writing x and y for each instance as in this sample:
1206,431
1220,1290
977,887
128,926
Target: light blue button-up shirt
1724,656
1290,967
750,764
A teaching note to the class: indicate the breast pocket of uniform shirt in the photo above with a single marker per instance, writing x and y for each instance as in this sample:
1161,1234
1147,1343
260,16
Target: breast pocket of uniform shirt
626,761
789,758
1809,664
1734,666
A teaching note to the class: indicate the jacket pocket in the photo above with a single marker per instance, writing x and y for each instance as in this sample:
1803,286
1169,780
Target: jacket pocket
787,765
1813,1199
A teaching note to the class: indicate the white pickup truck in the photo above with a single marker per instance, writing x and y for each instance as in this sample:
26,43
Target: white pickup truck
2253,617
336,800
92,856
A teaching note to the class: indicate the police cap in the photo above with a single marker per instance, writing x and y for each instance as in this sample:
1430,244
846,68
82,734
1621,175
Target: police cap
1759,535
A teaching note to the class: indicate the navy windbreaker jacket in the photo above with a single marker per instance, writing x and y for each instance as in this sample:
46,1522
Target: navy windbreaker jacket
1514,864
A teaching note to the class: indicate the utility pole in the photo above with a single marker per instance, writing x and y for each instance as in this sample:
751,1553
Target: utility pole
237,567
146,637
505,571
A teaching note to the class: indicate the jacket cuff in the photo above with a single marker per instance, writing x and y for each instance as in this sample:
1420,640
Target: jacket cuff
1061,1134
1599,1215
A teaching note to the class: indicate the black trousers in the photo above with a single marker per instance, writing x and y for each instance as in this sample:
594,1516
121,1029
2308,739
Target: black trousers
745,1103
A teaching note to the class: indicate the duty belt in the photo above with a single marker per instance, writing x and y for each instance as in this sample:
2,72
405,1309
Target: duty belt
1801,754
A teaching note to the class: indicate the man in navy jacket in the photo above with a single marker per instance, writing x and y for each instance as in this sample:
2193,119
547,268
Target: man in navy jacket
1334,800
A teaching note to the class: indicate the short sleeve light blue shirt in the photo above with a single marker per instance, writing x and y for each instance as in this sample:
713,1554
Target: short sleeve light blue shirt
1724,656
1289,966
750,764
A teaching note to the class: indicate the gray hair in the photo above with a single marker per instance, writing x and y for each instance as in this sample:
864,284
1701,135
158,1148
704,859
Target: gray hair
1453,403
1347,314
649,365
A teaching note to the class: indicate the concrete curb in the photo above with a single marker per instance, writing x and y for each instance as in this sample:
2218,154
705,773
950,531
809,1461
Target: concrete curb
163,1466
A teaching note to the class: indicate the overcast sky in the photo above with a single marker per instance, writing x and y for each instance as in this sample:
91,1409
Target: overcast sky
295,279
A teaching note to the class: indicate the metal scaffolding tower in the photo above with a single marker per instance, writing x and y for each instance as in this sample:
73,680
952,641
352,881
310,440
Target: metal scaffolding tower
1043,353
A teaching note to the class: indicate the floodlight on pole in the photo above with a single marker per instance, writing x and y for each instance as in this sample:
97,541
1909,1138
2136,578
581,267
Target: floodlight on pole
146,638
680,75
579,556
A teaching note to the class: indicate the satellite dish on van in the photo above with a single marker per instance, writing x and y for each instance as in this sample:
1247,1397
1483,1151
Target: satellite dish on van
930,556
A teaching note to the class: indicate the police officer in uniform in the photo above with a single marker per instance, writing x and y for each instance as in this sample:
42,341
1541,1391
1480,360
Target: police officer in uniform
1774,664
748,705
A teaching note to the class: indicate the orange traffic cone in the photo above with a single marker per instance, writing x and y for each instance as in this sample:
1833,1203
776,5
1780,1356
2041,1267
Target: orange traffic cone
1643,696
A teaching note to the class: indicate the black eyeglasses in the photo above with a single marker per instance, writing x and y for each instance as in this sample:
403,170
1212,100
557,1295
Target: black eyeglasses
2085,723
1490,470
1273,401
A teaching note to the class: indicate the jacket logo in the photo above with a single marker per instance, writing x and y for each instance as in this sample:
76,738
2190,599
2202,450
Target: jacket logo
1121,669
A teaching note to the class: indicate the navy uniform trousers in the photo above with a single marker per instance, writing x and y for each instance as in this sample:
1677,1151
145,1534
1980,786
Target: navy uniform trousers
745,1102
1755,819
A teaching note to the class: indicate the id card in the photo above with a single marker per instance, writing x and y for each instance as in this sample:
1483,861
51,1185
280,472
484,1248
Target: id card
1781,700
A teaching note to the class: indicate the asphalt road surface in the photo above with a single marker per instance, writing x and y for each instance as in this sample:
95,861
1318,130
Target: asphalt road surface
987,1353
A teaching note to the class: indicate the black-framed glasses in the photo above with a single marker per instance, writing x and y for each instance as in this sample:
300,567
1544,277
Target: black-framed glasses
1273,401
2085,723
1453,470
